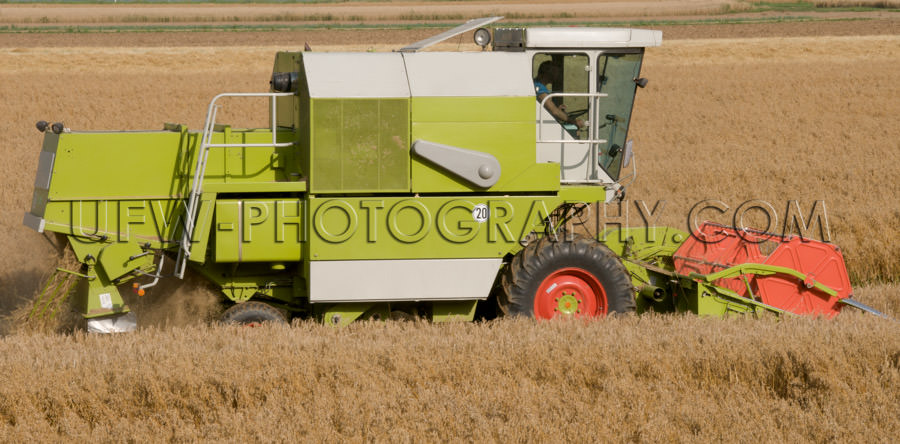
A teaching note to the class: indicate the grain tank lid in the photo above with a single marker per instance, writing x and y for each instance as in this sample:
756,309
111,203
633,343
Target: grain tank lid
469,74
355,75
591,38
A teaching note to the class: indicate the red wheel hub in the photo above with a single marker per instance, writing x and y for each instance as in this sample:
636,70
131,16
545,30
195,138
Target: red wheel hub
570,292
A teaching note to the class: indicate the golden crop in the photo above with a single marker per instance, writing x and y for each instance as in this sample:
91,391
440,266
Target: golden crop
654,378
731,119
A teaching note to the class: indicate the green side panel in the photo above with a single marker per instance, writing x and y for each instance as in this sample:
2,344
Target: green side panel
341,315
500,126
422,228
156,221
160,164
119,259
259,230
200,239
253,166
359,145
130,186
228,231
125,165
241,282
95,295
449,311
99,297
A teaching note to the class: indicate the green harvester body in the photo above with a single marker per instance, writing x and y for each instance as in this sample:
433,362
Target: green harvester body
385,181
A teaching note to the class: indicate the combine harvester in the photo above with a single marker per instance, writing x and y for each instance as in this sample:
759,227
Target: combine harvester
408,184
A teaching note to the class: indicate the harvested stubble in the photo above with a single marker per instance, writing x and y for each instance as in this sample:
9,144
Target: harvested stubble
661,378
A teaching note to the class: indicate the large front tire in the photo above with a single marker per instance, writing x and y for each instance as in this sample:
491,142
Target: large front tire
577,277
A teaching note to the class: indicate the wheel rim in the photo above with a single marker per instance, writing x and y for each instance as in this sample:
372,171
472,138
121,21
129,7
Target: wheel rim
570,292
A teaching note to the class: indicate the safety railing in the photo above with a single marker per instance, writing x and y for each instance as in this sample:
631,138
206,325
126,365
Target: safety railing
190,220
593,119
593,108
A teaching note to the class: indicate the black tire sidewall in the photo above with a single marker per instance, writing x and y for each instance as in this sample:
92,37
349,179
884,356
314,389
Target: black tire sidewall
581,253
253,312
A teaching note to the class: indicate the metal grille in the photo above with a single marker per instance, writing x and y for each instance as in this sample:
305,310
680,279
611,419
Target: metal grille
360,145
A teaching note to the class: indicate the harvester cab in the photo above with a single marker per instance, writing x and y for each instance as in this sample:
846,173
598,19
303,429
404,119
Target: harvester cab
584,80
595,73
410,183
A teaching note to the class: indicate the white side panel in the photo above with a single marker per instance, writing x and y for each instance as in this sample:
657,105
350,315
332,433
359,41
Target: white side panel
401,280
355,75
591,38
574,159
469,74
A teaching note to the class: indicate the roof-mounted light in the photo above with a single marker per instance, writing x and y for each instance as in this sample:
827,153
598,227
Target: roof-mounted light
482,37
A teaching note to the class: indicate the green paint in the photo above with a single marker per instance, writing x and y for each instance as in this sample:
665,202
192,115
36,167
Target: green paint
340,315
359,145
647,255
348,188
439,227
259,230
451,311
101,298
500,126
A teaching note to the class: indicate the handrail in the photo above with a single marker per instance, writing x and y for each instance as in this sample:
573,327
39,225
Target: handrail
184,249
594,107
590,139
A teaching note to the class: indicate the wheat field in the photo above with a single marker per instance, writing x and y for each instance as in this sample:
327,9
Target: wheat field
775,118
636,379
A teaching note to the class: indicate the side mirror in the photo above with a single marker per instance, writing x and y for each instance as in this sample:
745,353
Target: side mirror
642,82
629,153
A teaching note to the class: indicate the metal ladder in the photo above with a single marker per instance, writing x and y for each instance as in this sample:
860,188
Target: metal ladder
193,205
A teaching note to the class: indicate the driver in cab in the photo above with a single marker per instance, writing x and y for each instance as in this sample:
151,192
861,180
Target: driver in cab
548,74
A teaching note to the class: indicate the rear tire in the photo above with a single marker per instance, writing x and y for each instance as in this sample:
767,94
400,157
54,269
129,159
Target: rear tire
252,314
577,277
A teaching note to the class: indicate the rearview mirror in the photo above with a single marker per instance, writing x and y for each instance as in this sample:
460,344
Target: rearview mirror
629,153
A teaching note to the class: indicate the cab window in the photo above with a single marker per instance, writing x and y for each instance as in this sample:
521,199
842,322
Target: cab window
563,73
616,74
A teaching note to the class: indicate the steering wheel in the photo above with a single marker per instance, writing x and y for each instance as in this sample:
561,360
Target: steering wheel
577,112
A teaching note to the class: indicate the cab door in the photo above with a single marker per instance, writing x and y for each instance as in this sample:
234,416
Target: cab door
559,141
616,75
